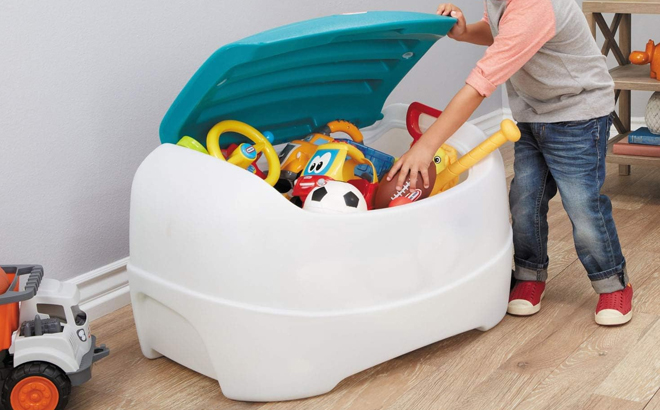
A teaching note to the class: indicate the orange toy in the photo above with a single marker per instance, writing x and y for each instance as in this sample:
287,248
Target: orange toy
45,343
8,312
651,55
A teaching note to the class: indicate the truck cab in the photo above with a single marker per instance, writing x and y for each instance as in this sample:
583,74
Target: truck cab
50,345
65,344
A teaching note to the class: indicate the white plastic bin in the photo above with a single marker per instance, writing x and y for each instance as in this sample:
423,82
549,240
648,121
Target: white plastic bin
230,279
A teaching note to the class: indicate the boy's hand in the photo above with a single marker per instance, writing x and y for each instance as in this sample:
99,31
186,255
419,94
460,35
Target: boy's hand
413,162
459,30
418,159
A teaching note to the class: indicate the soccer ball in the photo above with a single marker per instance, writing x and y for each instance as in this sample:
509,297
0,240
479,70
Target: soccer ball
335,198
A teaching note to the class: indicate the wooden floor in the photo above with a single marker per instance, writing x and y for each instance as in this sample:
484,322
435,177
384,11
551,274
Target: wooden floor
557,359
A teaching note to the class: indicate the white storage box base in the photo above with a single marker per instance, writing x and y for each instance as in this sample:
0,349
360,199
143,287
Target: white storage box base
233,281
265,355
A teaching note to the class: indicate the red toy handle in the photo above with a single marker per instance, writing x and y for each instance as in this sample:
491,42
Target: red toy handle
415,110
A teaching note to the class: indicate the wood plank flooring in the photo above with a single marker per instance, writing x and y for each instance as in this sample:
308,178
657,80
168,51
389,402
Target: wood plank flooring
557,359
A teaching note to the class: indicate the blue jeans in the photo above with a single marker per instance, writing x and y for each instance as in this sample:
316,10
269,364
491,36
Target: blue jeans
569,156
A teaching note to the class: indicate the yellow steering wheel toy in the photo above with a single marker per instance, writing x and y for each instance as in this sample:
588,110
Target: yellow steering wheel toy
243,155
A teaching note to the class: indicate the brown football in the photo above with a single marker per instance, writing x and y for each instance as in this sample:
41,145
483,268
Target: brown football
387,189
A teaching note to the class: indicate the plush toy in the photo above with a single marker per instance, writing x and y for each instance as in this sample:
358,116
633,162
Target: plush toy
509,132
650,56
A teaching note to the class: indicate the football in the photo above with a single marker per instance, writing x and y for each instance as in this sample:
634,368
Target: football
335,198
387,191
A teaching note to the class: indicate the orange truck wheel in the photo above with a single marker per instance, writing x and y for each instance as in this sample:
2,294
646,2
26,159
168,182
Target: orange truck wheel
36,386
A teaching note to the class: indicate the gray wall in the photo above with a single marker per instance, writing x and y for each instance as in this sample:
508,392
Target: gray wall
85,85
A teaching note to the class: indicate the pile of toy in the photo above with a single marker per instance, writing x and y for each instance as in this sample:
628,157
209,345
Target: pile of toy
327,175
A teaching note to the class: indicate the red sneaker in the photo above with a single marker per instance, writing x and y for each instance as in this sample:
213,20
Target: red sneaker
615,308
525,299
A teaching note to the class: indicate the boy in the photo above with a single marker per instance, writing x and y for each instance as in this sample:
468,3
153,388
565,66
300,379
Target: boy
562,95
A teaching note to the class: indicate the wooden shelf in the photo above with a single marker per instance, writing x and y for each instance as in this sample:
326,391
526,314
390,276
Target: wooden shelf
634,77
622,6
628,159
627,77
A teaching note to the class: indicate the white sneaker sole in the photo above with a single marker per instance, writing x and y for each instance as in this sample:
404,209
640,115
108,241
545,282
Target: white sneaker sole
521,307
611,317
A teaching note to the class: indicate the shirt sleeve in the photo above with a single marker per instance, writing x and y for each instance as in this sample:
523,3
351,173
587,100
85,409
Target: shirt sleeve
524,28
485,18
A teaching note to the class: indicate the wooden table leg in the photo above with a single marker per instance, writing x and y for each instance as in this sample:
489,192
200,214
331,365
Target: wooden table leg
625,45
592,23
625,108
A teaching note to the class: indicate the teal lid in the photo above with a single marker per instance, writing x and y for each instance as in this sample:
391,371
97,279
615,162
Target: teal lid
294,79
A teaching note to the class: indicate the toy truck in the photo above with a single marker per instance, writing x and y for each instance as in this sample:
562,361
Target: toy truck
45,343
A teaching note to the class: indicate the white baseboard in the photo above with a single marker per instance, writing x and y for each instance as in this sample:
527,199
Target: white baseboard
104,290
637,122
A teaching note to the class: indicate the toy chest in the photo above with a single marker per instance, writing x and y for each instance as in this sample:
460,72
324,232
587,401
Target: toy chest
230,279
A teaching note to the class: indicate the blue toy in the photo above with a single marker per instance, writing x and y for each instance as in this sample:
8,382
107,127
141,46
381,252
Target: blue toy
382,162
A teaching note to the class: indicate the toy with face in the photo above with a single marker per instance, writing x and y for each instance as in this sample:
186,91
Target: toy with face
333,162
321,162
295,156
326,162
297,153
440,160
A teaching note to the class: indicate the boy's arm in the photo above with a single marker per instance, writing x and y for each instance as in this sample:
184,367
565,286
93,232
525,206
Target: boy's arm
478,33
459,110
524,28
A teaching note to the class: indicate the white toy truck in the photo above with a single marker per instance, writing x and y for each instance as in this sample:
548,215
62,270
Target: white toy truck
45,343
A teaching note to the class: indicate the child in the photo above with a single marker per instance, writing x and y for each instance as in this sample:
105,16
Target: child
562,96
